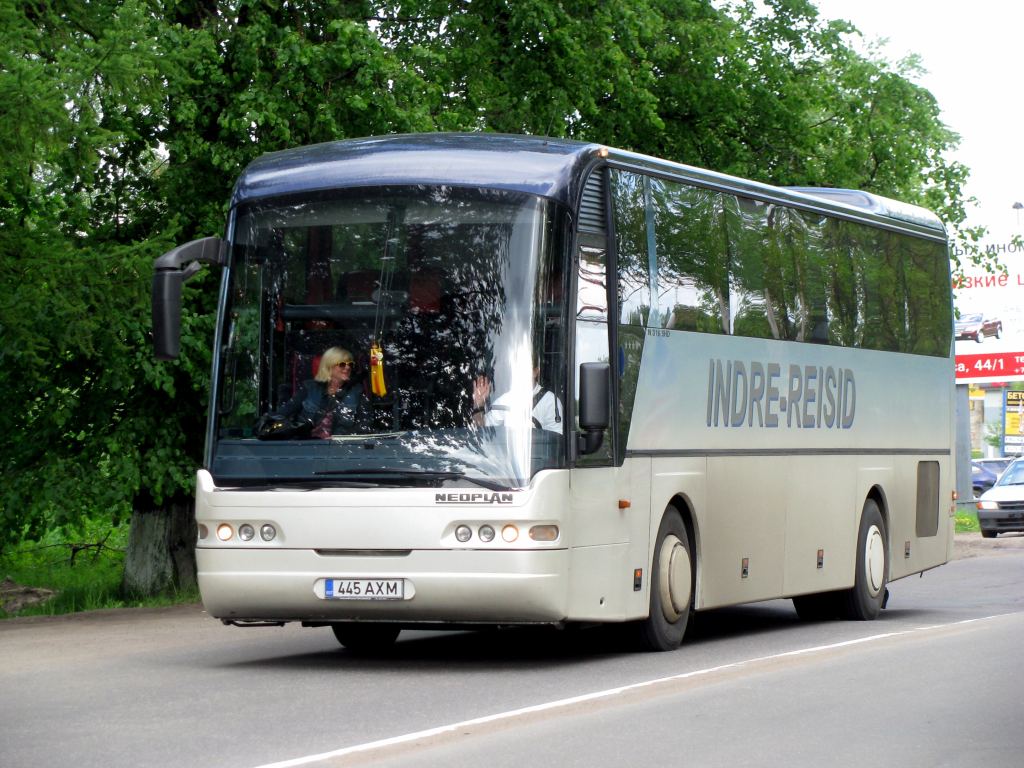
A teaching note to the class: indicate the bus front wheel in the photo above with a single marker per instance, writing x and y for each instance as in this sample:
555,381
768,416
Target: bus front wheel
864,600
365,638
671,587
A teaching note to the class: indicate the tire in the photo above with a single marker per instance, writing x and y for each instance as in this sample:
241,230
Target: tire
671,587
366,638
864,600
986,534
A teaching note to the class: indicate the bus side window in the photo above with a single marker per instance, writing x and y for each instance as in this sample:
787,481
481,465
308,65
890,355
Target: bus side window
632,252
592,289
751,314
692,258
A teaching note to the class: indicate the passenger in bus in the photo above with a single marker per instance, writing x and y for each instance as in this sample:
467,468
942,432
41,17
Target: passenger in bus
332,401
547,411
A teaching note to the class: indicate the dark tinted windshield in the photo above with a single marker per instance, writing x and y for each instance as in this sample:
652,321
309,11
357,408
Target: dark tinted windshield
426,292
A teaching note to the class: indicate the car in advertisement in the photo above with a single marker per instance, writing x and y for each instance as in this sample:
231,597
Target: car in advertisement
977,326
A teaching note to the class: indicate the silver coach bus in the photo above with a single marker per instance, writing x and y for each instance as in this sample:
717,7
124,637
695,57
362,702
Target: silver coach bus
580,385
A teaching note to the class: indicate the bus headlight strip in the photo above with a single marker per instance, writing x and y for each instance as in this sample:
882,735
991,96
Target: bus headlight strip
246,532
509,533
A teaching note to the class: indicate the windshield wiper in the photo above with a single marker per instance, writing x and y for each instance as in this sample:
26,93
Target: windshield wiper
414,474
300,485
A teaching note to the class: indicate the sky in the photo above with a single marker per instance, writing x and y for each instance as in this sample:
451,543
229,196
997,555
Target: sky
972,51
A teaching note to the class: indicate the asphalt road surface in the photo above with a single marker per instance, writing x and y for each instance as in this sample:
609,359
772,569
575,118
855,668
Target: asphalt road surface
936,681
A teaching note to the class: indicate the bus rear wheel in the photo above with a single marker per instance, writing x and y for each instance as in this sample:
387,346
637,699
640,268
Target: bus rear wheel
671,587
864,600
366,638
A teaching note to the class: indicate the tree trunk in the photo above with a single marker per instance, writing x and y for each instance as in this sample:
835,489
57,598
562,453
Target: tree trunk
161,553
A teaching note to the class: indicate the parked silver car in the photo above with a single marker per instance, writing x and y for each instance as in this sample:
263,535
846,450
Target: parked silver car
1001,507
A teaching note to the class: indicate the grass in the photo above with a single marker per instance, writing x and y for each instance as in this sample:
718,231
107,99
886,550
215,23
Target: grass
966,521
83,570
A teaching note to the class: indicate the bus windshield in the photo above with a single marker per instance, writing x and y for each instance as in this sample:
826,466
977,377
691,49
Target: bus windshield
446,308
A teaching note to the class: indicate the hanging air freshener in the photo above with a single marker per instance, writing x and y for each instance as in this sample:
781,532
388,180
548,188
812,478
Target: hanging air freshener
377,370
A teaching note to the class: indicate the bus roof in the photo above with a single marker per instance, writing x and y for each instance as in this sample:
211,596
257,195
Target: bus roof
883,206
548,167
539,166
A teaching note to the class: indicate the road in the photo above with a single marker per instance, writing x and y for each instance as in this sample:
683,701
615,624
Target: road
935,681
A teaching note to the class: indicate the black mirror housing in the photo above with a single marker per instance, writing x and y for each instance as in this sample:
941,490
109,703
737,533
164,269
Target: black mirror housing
595,409
168,277
167,314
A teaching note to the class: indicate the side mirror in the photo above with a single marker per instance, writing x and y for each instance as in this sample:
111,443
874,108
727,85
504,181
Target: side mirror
595,385
168,277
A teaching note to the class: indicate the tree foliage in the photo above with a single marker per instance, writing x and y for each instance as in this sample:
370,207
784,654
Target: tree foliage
123,124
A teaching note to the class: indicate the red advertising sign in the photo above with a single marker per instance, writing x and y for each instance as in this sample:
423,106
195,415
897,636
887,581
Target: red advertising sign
1001,366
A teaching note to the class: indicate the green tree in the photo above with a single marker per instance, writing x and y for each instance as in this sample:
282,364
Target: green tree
123,124
88,428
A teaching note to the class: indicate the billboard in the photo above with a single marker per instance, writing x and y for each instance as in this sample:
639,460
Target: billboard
990,324
1013,423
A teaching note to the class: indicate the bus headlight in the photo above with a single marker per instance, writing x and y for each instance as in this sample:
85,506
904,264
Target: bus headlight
486,533
509,533
268,532
225,532
246,532
463,533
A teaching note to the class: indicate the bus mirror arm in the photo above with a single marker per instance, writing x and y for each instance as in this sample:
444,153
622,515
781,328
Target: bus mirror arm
170,271
595,411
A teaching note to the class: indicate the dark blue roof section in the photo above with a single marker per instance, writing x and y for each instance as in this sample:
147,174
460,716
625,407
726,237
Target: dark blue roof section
540,166
547,167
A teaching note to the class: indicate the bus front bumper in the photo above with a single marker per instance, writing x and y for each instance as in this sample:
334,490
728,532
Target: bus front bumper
440,586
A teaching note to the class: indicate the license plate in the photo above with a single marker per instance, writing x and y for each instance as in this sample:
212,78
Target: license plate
364,589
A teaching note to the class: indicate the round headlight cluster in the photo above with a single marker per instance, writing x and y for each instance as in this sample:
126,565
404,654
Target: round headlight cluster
509,533
246,532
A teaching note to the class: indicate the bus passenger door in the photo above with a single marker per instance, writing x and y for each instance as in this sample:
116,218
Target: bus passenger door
606,500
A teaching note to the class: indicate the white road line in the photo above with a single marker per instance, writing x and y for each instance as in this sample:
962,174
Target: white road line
605,694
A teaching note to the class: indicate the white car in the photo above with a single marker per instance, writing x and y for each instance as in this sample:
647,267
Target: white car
1001,507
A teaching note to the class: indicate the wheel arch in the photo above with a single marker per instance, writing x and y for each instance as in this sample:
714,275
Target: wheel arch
877,494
